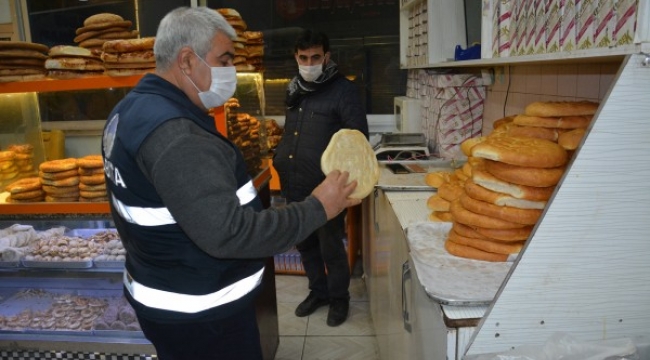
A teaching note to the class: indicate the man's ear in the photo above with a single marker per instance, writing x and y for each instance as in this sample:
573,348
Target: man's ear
184,58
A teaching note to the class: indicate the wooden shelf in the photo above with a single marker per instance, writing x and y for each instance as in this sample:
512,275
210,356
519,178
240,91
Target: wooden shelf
89,83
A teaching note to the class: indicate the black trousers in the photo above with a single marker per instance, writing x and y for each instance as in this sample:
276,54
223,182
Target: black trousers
234,338
324,249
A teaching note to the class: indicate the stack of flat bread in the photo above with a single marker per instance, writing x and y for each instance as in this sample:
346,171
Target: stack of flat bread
24,159
99,28
60,180
8,168
92,184
254,50
22,61
249,45
73,62
510,177
244,132
129,57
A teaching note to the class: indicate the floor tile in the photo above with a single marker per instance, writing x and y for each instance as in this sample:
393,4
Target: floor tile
288,322
290,348
291,288
358,322
340,347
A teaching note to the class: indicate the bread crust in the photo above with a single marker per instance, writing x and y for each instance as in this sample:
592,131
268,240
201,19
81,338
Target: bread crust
570,140
102,18
65,182
467,145
436,203
489,181
127,72
129,45
550,134
523,175
91,161
497,247
24,45
105,25
69,50
74,63
473,253
22,53
144,56
478,192
522,151
561,108
506,234
24,185
451,191
467,217
515,215
564,122
437,178
467,231
57,175
58,165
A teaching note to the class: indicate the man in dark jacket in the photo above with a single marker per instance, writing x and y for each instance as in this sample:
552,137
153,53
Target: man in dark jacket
185,208
320,101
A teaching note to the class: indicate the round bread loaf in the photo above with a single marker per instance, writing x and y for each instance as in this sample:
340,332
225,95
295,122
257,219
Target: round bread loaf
500,122
57,175
505,234
68,50
561,108
98,187
125,24
61,199
144,56
489,181
436,203
21,148
478,192
74,63
91,161
521,151
437,178
7,155
58,165
451,191
564,122
523,175
129,45
497,247
96,179
93,33
464,216
92,194
550,134
349,150
23,45
90,171
570,140
102,18
72,74
97,199
467,145
515,215
26,195
473,253
61,191
467,231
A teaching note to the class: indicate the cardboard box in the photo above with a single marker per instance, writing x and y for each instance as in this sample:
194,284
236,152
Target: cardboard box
529,46
553,26
488,47
505,26
518,27
567,25
585,10
626,11
604,23
539,42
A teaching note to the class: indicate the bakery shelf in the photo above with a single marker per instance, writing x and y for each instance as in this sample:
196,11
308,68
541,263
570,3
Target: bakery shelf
89,83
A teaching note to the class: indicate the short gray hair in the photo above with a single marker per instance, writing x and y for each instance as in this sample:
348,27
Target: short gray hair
194,27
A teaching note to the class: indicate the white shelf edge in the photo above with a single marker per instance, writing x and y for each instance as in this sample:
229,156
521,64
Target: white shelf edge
560,57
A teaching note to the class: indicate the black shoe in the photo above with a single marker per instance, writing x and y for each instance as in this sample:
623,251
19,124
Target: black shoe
309,305
338,312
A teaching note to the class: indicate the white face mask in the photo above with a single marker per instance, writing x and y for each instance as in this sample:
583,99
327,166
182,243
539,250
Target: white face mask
310,73
222,85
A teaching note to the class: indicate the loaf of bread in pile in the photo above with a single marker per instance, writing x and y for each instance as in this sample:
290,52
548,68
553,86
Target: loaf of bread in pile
498,196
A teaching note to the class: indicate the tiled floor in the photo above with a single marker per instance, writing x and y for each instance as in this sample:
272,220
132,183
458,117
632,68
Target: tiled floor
310,338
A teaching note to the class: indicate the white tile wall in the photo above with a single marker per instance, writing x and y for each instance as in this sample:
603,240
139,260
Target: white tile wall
517,86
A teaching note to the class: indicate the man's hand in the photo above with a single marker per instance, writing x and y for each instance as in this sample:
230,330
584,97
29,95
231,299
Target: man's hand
333,193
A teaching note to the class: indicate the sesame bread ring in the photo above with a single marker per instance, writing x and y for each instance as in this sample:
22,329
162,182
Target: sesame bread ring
97,199
523,175
8,175
26,195
58,175
93,179
515,215
58,165
61,190
70,181
467,231
21,148
522,151
86,187
92,194
6,164
561,108
487,245
61,199
91,161
31,200
7,155
90,171
469,252
25,184
467,217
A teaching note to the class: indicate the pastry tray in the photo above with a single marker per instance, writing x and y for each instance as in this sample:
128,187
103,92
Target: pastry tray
109,264
57,264
9,264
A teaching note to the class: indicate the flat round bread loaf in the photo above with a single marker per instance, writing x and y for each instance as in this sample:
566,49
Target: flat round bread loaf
451,190
467,145
102,18
144,56
564,122
571,139
518,234
24,185
136,65
71,51
561,108
478,192
500,122
95,33
489,181
521,151
467,217
550,134
127,72
58,165
74,63
515,215
350,151
524,175
498,247
129,45
72,74
23,45
105,25
467,231
21,53
469,252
